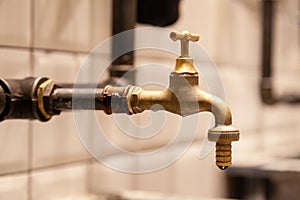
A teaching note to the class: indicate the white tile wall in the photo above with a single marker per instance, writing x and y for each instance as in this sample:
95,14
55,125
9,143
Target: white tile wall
61,67
198,177
57,141
73,25
159,181
188,176
282,141
66,182
14,146
14,63
286,35
15,22
239,84
237,33
13,187
102,21
105,180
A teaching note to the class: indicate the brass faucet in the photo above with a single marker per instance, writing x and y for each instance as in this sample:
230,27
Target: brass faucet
185,97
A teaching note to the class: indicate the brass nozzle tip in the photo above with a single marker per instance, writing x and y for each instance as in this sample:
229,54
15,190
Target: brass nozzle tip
223,136
223,155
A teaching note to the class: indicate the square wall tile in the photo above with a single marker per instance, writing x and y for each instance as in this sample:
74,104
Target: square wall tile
158,181
57,142
14,187
15,22
285,138
66,182
14,148
198,177
241,87
102,20
61,67
104,180
197,16
14,63
286,37
71,24
237,32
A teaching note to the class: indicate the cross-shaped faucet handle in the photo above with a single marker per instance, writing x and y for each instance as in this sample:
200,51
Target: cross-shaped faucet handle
184,38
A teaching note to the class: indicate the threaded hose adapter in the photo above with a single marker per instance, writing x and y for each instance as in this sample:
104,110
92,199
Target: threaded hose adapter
223,135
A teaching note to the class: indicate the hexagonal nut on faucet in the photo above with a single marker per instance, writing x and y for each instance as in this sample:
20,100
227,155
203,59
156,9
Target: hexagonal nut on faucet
133,99
48,91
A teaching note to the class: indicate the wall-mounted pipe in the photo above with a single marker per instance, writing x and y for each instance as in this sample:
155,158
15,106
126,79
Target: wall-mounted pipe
266,85
124,18
18,99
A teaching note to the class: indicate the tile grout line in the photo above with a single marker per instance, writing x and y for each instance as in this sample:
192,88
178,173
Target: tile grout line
30,160
89,173
16,47
44,168
31,72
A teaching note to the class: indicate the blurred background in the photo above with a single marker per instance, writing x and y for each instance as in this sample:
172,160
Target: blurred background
52,38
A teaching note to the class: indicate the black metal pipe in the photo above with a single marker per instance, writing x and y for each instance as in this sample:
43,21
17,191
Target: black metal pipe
18,99
266,85
124,18
267,38
109,99
85,99
267,27
40,98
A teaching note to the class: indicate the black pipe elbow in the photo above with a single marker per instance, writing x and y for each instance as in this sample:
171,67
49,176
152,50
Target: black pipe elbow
18,99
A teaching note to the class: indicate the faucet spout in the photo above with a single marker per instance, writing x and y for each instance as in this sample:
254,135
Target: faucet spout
216,106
